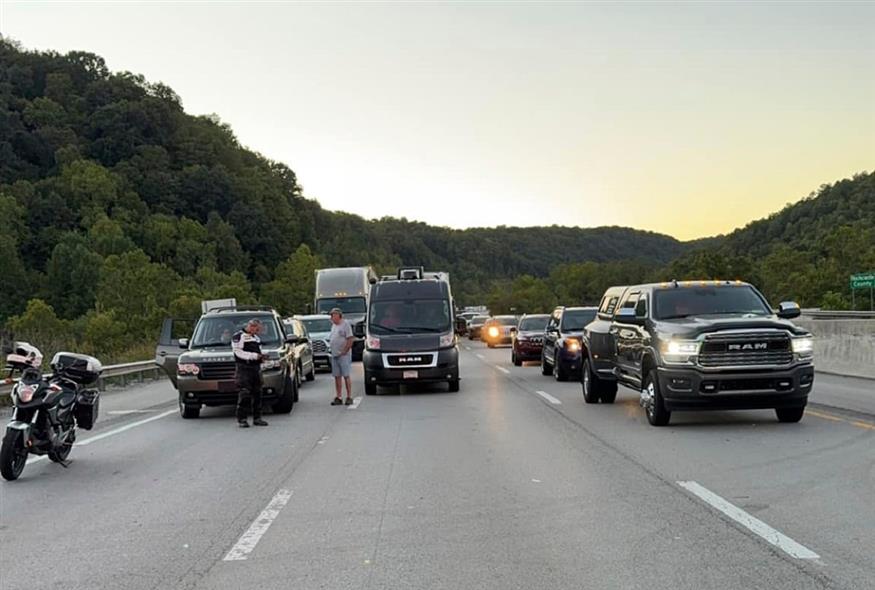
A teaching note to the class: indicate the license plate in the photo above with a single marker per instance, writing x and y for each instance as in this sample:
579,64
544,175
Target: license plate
411,374
227,386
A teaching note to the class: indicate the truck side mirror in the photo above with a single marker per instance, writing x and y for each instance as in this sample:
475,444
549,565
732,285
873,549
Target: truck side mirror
627,315
358,330
788,310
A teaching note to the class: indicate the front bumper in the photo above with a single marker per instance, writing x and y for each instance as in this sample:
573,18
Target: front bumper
528,351
571,361
224,393
322,360
692,389
446,369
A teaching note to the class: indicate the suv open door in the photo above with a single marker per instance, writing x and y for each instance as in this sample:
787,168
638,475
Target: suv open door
169,346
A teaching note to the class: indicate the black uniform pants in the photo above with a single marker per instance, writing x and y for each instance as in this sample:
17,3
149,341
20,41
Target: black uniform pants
249,392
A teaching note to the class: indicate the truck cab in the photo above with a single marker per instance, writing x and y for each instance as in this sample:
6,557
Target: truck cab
409,333
349,290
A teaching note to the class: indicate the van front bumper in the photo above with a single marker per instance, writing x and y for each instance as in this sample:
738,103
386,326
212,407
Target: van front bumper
445,369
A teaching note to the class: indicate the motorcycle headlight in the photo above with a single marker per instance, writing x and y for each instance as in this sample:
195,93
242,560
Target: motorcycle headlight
187,369
803,346
447,340
680,351
26,392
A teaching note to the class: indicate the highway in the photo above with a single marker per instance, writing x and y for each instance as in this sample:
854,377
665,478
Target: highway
511,483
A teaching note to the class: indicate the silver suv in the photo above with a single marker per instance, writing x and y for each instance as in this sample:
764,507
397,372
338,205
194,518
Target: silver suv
202,367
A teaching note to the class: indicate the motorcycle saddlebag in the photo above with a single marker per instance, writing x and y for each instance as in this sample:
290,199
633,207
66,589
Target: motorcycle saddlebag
87,406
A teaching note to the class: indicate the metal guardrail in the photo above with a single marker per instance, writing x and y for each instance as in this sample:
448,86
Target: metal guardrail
122,373
823,314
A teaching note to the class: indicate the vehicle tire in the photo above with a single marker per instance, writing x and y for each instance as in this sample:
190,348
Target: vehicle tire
657,415
559,370
60,455
286,400
13,455
189,411
311,376
454,386
589,384
515,359
298,376
790,415
546,368
370,388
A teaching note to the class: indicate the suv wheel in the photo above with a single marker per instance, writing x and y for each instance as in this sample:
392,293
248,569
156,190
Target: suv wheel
189,411
546,368
312,374
286,400
515,360
651,398
790,415
559,370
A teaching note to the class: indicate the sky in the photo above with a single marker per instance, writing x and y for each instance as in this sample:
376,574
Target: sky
689,119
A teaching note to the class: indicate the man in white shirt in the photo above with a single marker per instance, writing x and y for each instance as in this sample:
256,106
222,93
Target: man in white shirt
340,344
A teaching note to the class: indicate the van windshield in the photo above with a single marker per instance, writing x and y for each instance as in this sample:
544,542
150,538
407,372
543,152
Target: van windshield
410,316
347,304
217,331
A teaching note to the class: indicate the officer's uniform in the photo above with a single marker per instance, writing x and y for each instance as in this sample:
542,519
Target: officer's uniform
247,355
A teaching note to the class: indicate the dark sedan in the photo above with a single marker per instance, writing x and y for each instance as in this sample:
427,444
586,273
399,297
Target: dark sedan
528,340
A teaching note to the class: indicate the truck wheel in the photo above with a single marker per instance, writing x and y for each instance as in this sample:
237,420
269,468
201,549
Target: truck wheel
454,386
546,368
189,411
654,406
589,384
286,401
370,388
790,415
13,455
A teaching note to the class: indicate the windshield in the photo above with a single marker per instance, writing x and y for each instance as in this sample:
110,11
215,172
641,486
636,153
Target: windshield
347,304
217,331
534,323
577,319
409,316
689,301
317,325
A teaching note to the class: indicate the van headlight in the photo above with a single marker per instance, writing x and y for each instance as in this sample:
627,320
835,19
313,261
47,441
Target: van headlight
680,351
447,340
803,347
372,343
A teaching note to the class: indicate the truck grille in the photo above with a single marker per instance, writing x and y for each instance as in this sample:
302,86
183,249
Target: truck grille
739,350
218,371
319,346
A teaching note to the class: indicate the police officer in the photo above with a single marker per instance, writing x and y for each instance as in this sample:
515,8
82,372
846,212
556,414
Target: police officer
247,355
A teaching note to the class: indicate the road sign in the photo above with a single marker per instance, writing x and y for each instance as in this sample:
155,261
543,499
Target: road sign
863,280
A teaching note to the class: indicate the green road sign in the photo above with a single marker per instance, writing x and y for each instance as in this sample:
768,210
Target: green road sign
863,281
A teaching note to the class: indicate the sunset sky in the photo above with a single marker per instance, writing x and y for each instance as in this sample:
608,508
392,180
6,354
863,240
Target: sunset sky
689,119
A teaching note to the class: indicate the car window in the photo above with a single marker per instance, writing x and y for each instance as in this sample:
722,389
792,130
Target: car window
630,300
641,306
576,319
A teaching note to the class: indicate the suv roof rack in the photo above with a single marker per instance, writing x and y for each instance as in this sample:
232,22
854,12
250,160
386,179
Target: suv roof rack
231,308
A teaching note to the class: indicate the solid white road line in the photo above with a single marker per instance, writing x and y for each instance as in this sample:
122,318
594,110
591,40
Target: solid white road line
503,370
125,412
549,397
109,433
247,542
753,524
356,402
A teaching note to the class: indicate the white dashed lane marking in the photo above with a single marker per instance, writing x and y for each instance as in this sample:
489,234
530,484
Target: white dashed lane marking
549,397
246,544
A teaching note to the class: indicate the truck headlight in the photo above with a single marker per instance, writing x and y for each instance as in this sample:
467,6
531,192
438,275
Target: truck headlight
680,351
447,340
187,369
803,346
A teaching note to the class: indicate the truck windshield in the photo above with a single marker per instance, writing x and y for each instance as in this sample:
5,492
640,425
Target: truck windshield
347,304
409,316
534,323
707,300
576,319
217,331
317,325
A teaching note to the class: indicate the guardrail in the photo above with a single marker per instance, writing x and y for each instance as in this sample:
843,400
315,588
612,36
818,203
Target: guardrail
122,373
824,314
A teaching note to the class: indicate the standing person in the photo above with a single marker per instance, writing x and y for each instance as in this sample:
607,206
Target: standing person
247,356
340,342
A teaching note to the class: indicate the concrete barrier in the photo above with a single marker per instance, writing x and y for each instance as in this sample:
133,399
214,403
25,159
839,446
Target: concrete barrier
843,346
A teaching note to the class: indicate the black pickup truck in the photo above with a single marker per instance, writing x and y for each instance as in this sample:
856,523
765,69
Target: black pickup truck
698,345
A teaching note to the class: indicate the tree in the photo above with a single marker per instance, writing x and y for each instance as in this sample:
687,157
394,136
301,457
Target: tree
294,285
72,275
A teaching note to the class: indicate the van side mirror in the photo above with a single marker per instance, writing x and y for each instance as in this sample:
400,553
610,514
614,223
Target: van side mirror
627,315
788,310
183,343
358,330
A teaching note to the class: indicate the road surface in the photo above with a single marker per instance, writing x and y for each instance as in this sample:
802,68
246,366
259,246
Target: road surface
511,483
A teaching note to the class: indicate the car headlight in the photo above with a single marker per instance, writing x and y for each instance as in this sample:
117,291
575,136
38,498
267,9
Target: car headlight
680,351
572,345
271,364
187,369
493,332
372,343
447,340
803,346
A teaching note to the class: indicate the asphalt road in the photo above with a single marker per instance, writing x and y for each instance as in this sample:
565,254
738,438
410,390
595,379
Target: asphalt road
497,486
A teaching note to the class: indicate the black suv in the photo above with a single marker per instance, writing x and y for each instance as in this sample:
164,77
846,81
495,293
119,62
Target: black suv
698,345
560,355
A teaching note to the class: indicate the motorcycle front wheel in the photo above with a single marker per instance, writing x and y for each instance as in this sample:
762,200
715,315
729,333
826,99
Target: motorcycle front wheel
13,455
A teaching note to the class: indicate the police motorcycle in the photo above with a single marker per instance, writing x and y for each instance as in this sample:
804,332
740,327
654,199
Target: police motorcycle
47,410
